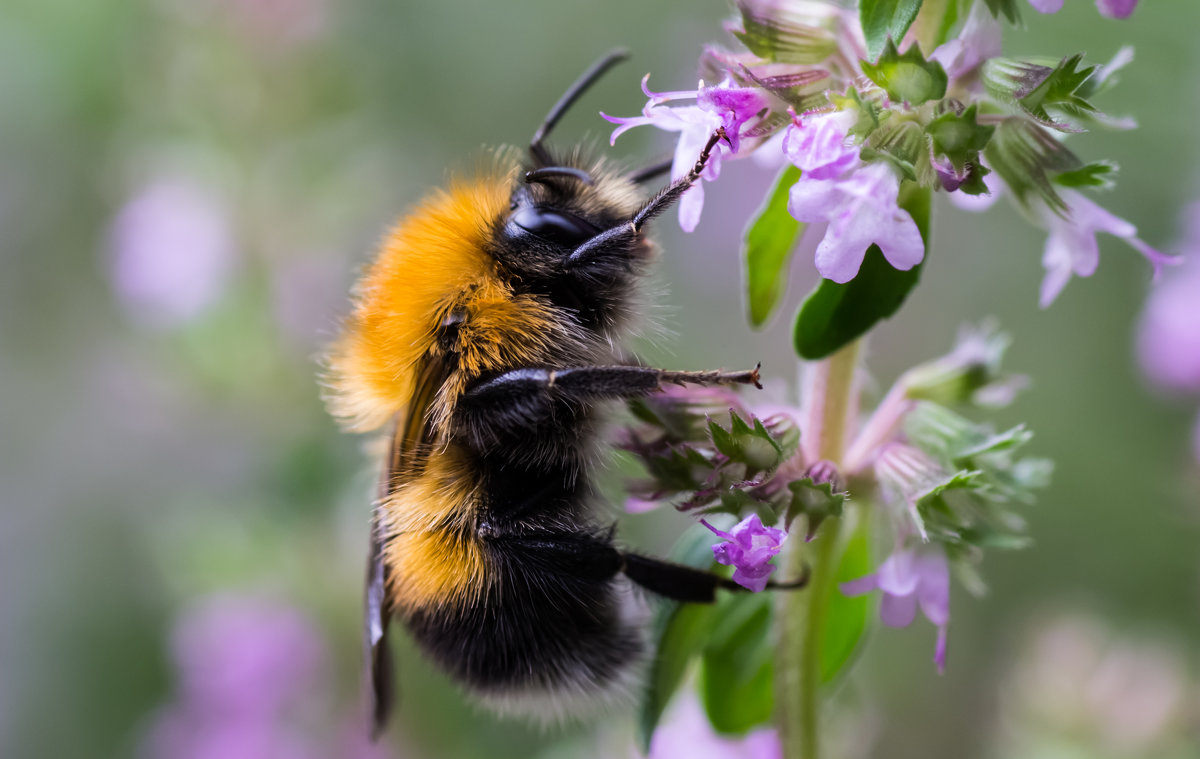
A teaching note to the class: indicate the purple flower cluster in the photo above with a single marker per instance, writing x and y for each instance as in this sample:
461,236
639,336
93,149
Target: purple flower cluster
720,106
858,201
749,548
850,195
172,251
1110,8
1169,336
251,678
911,578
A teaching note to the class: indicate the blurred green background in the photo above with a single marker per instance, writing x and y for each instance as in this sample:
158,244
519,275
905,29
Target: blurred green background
163,435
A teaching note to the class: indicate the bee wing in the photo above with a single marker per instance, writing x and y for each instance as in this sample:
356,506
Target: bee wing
378,616
409,445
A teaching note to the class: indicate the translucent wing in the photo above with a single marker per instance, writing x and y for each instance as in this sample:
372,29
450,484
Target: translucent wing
406,456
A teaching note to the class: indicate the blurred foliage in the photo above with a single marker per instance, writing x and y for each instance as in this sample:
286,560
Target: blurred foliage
150,458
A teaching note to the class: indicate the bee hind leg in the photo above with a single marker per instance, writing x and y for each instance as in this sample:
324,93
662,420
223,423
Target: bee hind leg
688,584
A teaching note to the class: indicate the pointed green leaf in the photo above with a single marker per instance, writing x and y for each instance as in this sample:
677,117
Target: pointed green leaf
1059,88
1007,8
783,39
835,314
935,21
846,618
816,501
680,631
1097,174
737,684
959,136
884,19
907,78
769,241
752,446
1026,155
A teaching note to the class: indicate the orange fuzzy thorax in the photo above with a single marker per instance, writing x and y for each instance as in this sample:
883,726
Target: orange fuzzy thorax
435,262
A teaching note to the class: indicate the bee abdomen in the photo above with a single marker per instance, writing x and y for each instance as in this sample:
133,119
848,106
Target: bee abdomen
554,626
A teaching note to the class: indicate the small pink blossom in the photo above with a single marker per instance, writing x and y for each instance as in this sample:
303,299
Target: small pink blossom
172,251
686,732
910,580
819,144
858,200
1047,6
861,209
1169,335
1116,8
979,40
724,105
1110,8
1071,246
751,546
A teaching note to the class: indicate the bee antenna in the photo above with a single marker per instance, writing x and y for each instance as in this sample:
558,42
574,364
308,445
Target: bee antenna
646,173
546,172
573,93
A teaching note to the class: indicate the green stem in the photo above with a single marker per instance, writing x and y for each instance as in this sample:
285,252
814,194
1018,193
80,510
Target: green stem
801,616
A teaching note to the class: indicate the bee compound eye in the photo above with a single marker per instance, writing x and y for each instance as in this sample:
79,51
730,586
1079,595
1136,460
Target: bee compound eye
553,225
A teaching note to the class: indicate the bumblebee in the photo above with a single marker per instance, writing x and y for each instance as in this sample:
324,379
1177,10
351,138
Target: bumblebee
489,333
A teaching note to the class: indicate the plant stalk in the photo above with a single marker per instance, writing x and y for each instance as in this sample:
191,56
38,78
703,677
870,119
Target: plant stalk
828,392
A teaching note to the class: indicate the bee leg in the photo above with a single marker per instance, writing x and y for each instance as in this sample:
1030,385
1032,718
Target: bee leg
646,173
687,584
523,401
620,236
576,555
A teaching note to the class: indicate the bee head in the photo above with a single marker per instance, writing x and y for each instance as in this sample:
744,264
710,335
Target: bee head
553,212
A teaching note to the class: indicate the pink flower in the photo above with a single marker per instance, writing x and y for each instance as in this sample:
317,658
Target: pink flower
1047,6
1169,336
686,732
858,200
750,548
1116,8
861,209
1110,8
819,144
979,40
173,251
1071,246
251,683
910,580
723,105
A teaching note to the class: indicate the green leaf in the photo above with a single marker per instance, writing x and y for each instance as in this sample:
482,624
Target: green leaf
907,78
1059,88
1097,174
768,245
884,19
846,619
816,501
1026,155
681,631
959,136
934,22
752,446
783,39
834,315
1008,8
683,635
737,684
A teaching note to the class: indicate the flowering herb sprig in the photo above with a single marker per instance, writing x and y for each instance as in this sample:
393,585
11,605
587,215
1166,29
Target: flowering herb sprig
875,125
867,116
950,487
